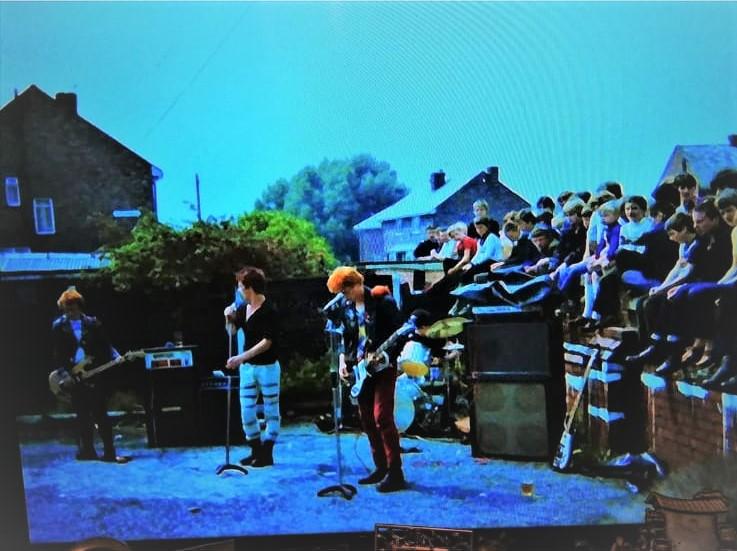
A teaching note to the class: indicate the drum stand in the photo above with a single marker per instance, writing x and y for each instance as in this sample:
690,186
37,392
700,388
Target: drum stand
345,491
228,466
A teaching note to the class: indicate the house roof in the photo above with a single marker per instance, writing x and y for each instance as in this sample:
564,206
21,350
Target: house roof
422,200
33,90
706,503
44,263
704,161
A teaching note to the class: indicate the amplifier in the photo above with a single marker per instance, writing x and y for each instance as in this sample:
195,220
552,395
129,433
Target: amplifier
164,358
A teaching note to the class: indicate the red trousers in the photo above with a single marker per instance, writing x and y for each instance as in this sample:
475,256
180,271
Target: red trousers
376,408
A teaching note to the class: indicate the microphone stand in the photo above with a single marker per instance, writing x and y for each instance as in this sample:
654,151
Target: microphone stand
228,466
345,491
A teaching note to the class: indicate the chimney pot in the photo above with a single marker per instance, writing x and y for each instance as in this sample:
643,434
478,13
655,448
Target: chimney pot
732,140
493,173
437,180
67,101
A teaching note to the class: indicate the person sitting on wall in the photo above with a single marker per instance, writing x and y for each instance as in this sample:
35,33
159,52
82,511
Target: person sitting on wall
489,251
447,249
708,259
593,266
688,192
630,247
642,271
526,221
546,207
697,301
725,377
424,250
481,210
75,338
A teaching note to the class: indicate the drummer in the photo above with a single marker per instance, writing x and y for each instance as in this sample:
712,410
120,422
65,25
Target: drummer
423,322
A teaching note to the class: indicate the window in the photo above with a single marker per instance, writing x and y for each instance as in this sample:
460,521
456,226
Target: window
12,191
415,223
126,213
43,216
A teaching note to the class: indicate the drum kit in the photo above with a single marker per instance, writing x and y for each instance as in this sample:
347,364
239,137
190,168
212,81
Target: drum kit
415,403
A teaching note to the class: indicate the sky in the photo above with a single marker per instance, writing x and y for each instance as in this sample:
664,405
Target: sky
558,95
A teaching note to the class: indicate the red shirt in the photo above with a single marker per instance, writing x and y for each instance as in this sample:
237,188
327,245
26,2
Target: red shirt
467,243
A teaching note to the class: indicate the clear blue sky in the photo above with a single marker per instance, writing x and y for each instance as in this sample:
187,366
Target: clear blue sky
558,95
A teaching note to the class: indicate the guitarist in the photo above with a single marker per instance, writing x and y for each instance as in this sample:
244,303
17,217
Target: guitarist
76,337
369,317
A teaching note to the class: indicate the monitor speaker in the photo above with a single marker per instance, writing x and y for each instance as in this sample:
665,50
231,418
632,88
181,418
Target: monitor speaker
213,414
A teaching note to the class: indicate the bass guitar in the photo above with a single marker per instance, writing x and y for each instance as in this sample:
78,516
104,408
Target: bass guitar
378,360
62,380
562,460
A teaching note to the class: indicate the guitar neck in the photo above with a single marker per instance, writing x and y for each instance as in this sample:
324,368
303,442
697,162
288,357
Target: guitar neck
99,369
572,413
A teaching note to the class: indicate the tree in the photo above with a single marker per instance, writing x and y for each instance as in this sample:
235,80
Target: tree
335,196
160,258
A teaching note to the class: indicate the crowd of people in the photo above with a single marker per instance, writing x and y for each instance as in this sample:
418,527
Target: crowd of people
675,253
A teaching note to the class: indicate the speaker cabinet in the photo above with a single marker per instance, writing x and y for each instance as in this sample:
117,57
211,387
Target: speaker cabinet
213,413
171,418
509,419
515,364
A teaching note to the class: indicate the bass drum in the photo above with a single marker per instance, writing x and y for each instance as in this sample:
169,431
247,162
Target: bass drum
406,393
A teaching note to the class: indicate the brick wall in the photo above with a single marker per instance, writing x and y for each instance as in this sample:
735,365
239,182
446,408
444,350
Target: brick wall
624,411
56,154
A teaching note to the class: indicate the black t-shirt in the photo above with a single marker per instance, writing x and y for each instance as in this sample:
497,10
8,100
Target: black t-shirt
712,256
426,247
263,324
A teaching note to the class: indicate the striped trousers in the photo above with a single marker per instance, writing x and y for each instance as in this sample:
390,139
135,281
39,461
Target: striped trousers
262,379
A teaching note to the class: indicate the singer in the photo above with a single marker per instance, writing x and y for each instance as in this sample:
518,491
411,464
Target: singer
369,317
258,364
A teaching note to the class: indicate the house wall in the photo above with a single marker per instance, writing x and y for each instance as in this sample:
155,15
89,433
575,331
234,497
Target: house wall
55,154
458,208
371,245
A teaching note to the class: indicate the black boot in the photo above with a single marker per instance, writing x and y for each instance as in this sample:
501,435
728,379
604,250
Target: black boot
255,446
111,457
653,354
393,482
673,362
726,370
265,457
375,477
87,454
730,385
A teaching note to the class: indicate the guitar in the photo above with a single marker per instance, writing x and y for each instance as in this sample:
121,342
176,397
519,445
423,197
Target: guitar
62,380
378,360
562,460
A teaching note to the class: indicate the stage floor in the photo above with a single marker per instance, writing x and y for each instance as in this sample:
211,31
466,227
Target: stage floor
175,493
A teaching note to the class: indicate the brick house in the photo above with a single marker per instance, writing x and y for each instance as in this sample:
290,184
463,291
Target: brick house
393,233
703,161
59,171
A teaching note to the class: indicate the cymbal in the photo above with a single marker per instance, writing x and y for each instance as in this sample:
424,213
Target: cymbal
453,346
449,327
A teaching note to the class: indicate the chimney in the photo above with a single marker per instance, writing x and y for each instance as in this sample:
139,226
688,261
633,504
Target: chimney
437,180
67,101
492,174
732,140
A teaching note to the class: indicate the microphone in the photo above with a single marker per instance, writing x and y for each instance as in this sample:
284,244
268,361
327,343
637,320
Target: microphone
332,305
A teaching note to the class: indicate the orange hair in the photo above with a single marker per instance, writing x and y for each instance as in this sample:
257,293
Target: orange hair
69,296
380,291
344,276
